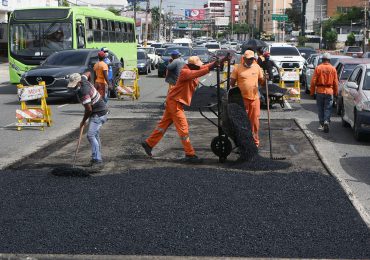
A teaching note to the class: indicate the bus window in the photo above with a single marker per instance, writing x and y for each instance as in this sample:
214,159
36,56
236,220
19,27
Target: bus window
97,30
112,33
80,32
124,32
131,32
89,30
117,30
105,34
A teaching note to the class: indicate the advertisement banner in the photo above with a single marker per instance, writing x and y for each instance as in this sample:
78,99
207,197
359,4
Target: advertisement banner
195,14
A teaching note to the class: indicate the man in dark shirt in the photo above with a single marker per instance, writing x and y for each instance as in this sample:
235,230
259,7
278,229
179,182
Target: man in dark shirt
95,110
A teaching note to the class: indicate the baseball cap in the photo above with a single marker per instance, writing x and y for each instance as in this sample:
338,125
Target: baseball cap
249,54
195,60
175,52
101,54
105,49
74,78
326,56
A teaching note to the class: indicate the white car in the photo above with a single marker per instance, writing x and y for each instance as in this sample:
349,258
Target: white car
212,46
356,101
286,57
154,58
233,46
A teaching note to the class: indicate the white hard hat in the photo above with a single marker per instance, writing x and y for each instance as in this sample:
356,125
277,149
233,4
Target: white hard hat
326,56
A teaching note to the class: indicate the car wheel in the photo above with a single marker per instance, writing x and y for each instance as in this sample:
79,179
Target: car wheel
344,122
357,132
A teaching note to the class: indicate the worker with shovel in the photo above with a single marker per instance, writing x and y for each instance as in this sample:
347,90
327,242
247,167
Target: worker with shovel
178,96
95,110
248,74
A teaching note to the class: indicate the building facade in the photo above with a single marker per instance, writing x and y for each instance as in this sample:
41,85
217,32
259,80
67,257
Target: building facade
217,8
334,6
235,11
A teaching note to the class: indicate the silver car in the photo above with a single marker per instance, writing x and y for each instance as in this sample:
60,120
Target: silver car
356,101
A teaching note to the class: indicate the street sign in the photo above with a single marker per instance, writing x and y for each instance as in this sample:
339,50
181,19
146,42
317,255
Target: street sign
182,25
279,17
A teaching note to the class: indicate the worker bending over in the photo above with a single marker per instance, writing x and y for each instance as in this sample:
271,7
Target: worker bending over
248,74
178,96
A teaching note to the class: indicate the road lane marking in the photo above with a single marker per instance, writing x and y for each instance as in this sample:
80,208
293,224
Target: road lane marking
8,125
287,104
292,147
63,105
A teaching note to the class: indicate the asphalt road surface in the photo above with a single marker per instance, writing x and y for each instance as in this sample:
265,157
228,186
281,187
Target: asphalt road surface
137,206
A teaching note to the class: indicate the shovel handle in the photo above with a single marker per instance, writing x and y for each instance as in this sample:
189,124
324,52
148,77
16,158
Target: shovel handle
78,145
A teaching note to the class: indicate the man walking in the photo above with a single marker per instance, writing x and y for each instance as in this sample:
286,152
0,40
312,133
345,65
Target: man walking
95,110
248,74
178,96
325,84
174,68
110,73
101,76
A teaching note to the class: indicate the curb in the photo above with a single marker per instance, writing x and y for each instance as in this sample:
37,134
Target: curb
354,200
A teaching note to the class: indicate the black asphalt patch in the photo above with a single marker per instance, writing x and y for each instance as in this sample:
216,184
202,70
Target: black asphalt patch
158,206
177,211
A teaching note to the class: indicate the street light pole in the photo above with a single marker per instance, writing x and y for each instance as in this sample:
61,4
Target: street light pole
159,24
147,10
254,19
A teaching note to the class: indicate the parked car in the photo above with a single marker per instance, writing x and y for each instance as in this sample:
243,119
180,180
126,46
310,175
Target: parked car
159,52
212,46
354,51
55,70
143,62
156,45
306,52
314,62
344,69
154,59
366,55
186,52
356,101
202,53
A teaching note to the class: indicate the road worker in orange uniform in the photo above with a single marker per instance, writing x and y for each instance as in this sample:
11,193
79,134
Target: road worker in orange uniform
325,84
178,96
248,74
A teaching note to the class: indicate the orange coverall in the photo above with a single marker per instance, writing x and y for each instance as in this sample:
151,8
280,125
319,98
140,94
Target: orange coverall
325,80
247,80
179,95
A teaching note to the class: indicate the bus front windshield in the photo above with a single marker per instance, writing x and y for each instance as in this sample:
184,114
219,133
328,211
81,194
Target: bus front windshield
40,39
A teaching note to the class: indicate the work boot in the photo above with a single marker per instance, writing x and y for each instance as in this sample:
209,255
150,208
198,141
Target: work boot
147,148
326,127
192,159
321,127
96,164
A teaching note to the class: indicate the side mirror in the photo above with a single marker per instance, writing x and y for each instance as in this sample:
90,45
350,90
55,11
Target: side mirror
159,54
303,54
352,85
310,66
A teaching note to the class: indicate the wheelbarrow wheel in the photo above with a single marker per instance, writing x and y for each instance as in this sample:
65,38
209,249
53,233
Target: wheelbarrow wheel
221,146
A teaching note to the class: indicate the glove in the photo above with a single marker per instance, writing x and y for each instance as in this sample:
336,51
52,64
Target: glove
214,65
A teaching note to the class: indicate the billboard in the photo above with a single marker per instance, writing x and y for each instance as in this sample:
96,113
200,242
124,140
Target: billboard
195,14
222,21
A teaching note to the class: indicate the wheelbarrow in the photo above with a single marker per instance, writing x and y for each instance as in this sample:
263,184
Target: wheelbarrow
275,94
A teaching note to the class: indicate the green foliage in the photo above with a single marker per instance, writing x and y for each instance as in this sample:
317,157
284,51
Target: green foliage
331,39
355,14
302,40
65,3
351,40
114,10
294,17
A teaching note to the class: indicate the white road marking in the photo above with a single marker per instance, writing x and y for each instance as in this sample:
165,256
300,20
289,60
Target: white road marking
287,104
292,147
8,125
63,105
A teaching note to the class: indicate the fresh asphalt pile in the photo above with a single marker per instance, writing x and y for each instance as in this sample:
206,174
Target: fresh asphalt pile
180,211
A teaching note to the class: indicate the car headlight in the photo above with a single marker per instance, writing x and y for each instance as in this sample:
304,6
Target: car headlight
141,64
277,63
365,105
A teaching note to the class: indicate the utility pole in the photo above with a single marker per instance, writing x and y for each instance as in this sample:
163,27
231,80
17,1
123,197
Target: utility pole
303,18
135,13
170,20
160,24
147,10
261,16
365,27
283,29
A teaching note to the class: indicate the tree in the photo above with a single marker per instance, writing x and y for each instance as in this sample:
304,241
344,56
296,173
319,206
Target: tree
294,17
331,39
155,19
114,10
65,3
351,40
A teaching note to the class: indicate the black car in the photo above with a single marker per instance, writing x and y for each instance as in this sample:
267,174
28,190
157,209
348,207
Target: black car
306,52
55,70
159,51
143,62
202,53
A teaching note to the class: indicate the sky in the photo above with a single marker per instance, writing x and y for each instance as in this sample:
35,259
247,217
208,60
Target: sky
178,4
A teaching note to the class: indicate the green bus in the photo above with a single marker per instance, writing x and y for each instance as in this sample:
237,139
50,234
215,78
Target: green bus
34,34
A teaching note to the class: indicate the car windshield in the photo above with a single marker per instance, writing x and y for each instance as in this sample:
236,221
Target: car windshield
224,53
200,52
183,51
159,51
156,45
69,58
141,55
366,85
283,51
212,46
332,61
147,50
354,49
40,39
347,70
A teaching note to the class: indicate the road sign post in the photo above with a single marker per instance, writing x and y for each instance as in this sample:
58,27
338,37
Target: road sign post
279,17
